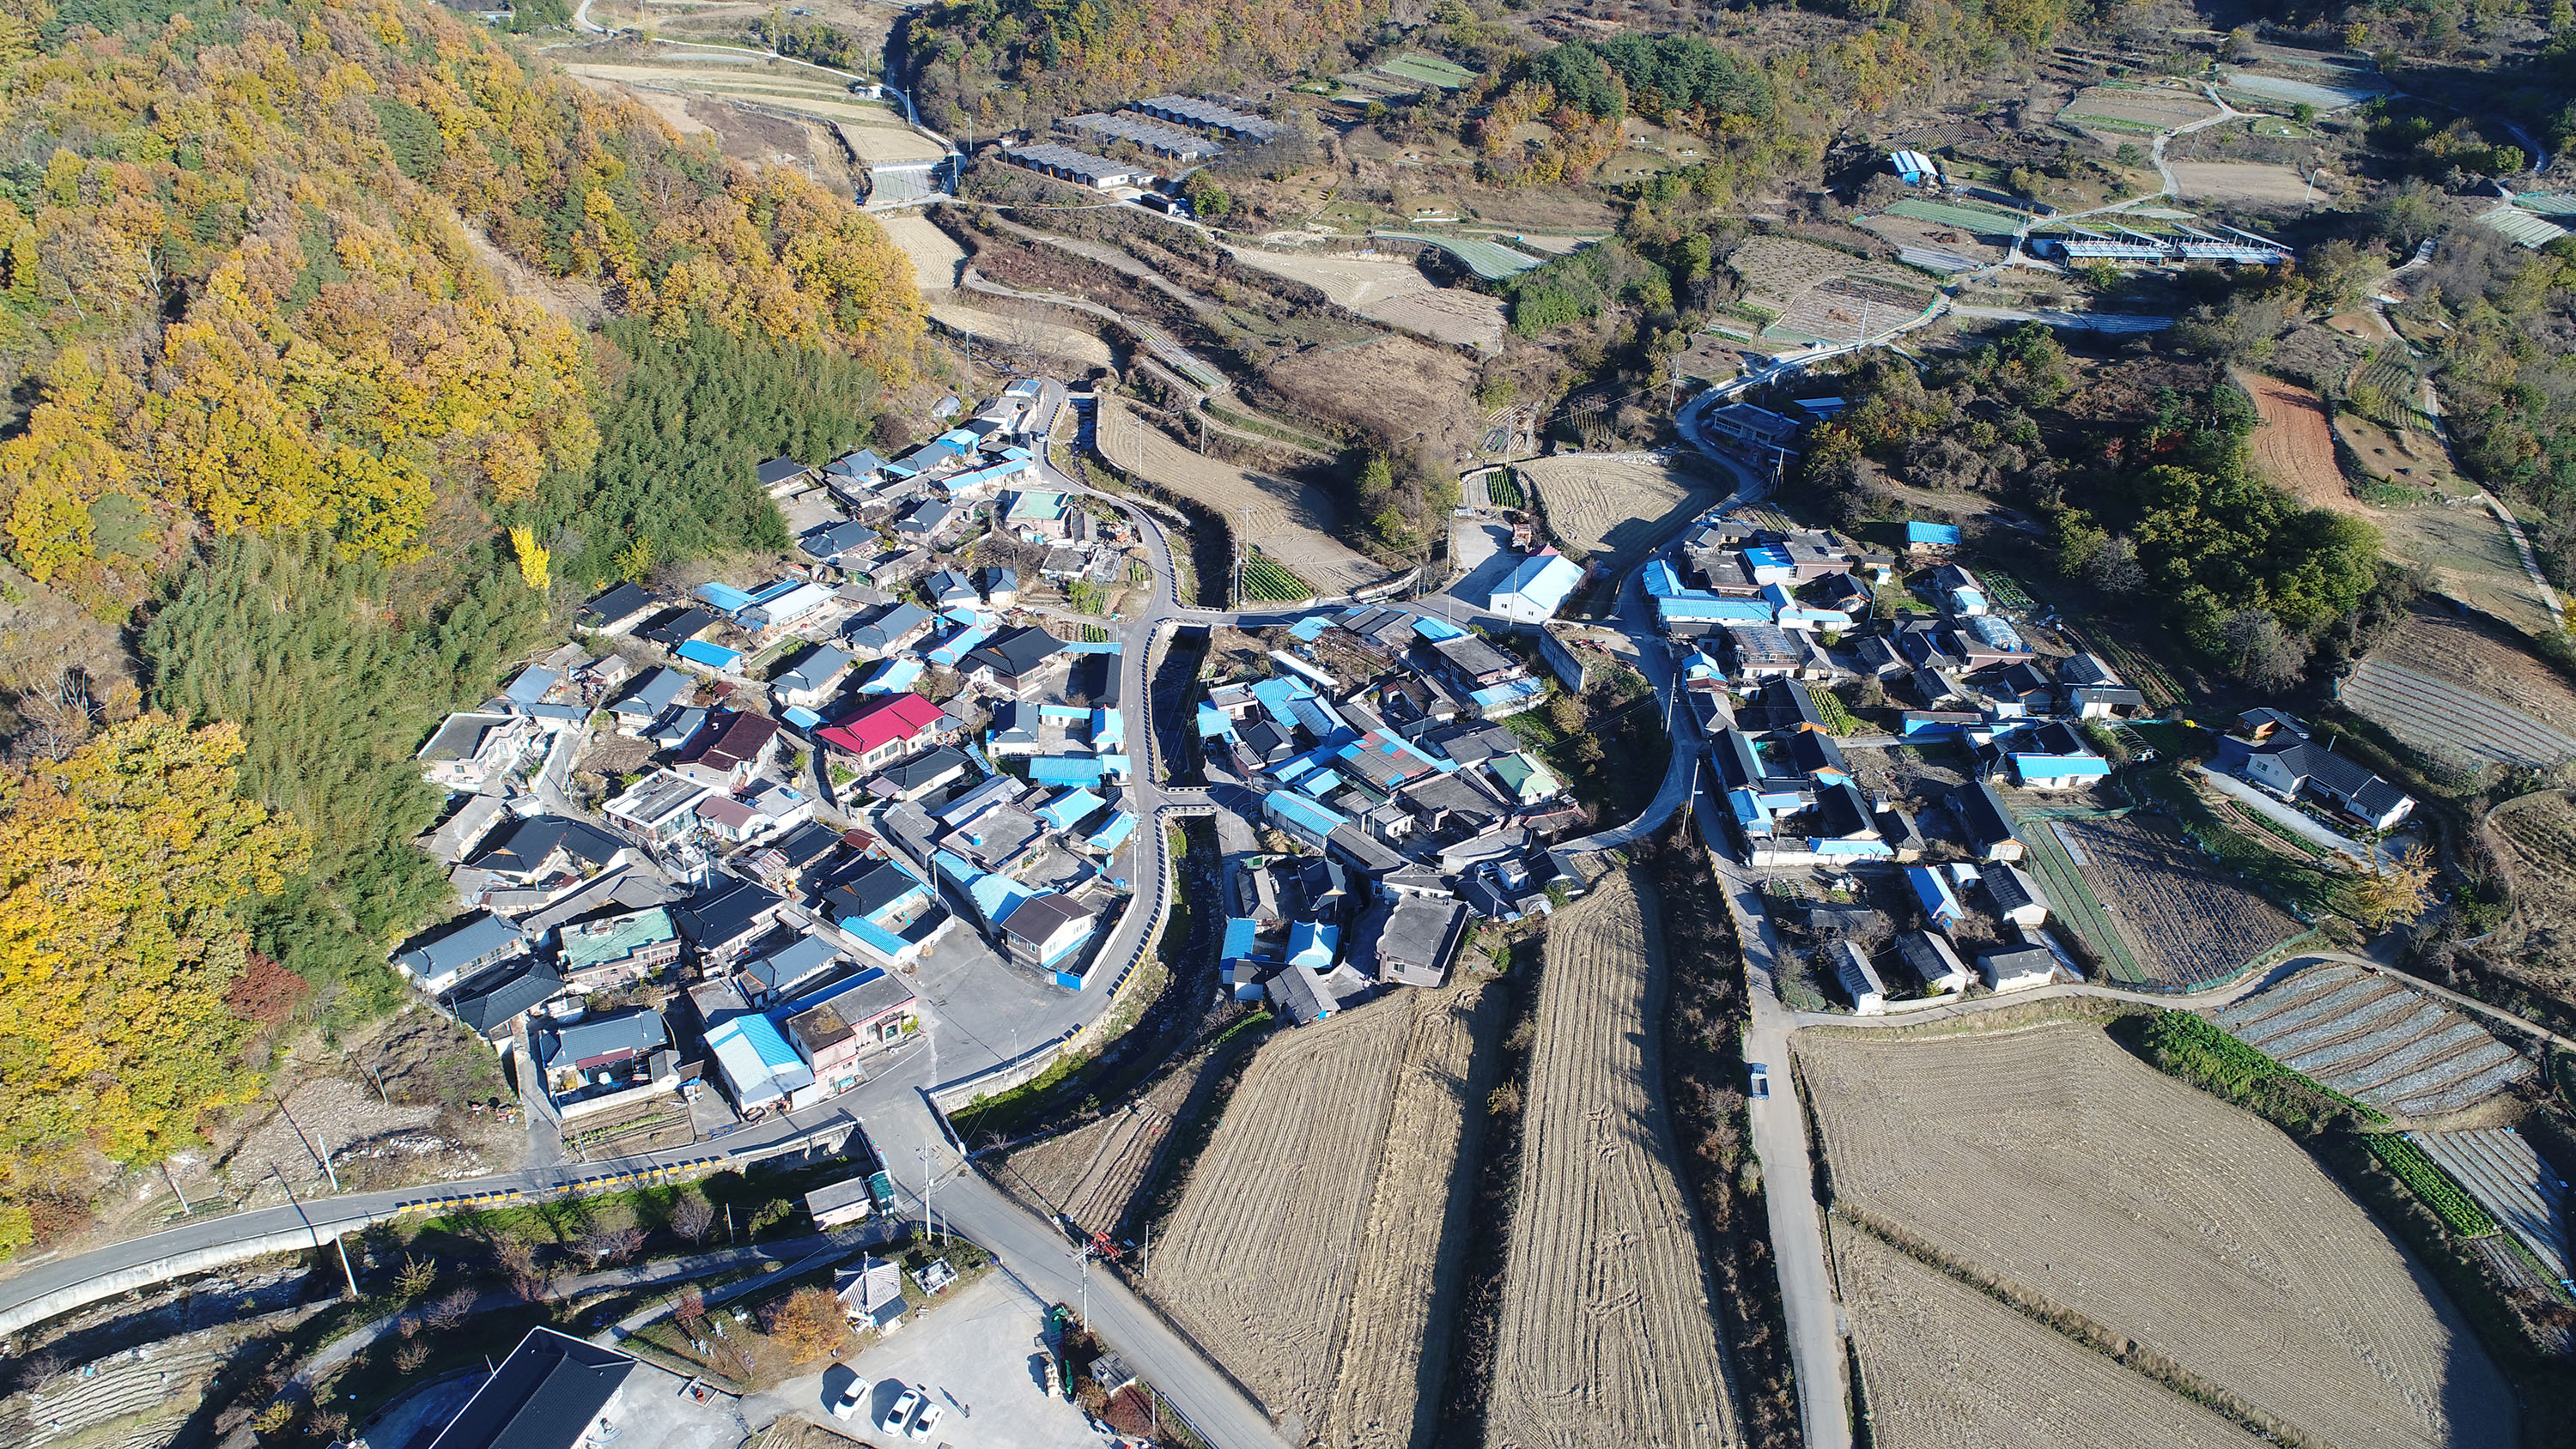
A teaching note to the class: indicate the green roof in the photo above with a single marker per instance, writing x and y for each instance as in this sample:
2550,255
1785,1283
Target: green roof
1517,769
584,949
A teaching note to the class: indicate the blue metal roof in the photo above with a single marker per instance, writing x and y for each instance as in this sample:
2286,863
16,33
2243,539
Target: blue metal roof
1437,630
1071,806
725,597
1309,629
2062,766
1240,939
1115,833
1933,892
699,651
1065,770
875,937
1213,722
1945,533
895,677
1312,814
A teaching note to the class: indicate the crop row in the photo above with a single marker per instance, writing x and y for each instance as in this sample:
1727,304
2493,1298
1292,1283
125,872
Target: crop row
2200,1045
1267,580
2425,1178
1503,486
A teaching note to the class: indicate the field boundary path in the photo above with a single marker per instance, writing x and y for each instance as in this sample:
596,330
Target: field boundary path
1158,342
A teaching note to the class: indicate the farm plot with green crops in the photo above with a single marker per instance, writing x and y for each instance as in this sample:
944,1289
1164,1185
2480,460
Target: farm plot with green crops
1428,70
2396,382
2425,1178
1490,260
1982,220
2078,909
1269,582
1503,486
2006,590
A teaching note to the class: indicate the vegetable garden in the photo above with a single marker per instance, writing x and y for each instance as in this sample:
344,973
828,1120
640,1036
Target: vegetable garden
2424,1178
1268,581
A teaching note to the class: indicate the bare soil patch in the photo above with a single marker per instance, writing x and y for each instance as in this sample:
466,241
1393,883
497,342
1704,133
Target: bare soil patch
1291,521
2535,838
2295,443
2249,181
1942,1364
935,254
1393,387
2188,922
1614,507
2404,456
1459,318
2158,109
1030,333
2062,1170
1356,280
1606,1334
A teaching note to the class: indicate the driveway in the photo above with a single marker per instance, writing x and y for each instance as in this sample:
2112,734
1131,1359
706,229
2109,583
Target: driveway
2292,818
979,1355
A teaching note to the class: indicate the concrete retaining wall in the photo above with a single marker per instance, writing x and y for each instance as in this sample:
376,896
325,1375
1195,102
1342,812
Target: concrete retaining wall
179,1265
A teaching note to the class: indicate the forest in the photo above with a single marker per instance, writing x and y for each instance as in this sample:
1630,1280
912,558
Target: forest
280,401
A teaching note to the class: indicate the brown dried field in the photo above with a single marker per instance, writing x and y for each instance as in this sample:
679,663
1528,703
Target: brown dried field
935,254
1090,1173
2065,1171
1291,521
1459,318
2536,838
1614,505
2253,181
2295,444
1606,1336
1386,1394
1779,269
1321,1236
1942,1365
1394,387
1356,280
2188,921
1029,333
2160,108
2483,659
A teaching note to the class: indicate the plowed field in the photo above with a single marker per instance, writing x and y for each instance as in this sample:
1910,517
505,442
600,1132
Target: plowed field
1291,521
1614,506
2489,671
2058,1167
1319,1243
2295,444
1606,1334
2186,921
1942,1365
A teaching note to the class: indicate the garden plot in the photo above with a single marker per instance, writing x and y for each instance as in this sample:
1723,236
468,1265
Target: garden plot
1321,1237
1291,521
2294,445
1780,272
2453,681
1461,319
1606,1336
1846,310
1026,333
2373,1038
2061,1169
2325,96
2508,1179
935,254
2536,838
1612,508
1943,1365
2187,922
2254,182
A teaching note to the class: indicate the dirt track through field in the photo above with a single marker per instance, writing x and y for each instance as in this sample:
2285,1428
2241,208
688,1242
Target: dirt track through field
1606,1334
1289,520
1943,1365
2055,1165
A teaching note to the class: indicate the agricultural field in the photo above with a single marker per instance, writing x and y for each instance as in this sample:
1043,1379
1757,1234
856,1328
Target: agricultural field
1943,1365
1292,520
1356,280
2135,110
1335,1173
2500,1169
2446,680
2074,908
1265,581
1613,508
2065,1172
1459,318
935,254
2252,182
1606,1337
1091,1173
1799,287
2406,463
2185,922
2376,1040
2535,837
1391,385
1490,260
2294,445
1023,333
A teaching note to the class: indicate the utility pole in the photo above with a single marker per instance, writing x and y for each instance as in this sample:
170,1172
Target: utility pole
328,1170
346,1271
927,1183
1086,1287
168,1177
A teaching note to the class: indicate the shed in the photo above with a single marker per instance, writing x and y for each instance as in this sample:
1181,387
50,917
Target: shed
1859,979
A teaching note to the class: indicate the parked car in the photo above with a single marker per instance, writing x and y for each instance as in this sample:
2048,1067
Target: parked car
927,1422
898,1418
1761,1078
848,1403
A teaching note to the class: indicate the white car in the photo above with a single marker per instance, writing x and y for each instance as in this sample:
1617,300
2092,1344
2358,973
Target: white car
848,1403
927,1423
900,1416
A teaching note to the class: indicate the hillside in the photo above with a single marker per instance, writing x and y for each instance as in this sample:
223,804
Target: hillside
276,320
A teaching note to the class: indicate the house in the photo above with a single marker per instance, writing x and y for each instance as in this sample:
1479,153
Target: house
476,750
759,1068
778,972
1932,961
1014,731
730,914
676,728
728,819
613,950
554,1391
1932,888
1859,979
661,807
1758,431
830,542
1001,587
1474,663
1523,778
495,1013
918,775
1305,995
871,1294
651,698
1018,662
896,628
727,750
886,730
839,1204
604,1061
814,677
616,612
1047,929
1414,938
2016,896
2052,757
460,833
1536,587
1761,651
542,847
2017,969
1989,825
929,521
2283,759
878,893
951,589
782,475
678,627
1304,818
474,944
835,1031
1931,542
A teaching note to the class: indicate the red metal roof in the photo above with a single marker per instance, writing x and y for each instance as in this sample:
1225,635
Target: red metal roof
898,717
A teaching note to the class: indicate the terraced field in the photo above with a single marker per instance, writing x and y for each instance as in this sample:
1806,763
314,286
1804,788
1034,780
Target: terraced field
1802,290
2134,108
1614,507
1291,521
2057,1167
2508,1179
2370,1037
1606,1334
2450,681
2536,838
1943,1365
2186,923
